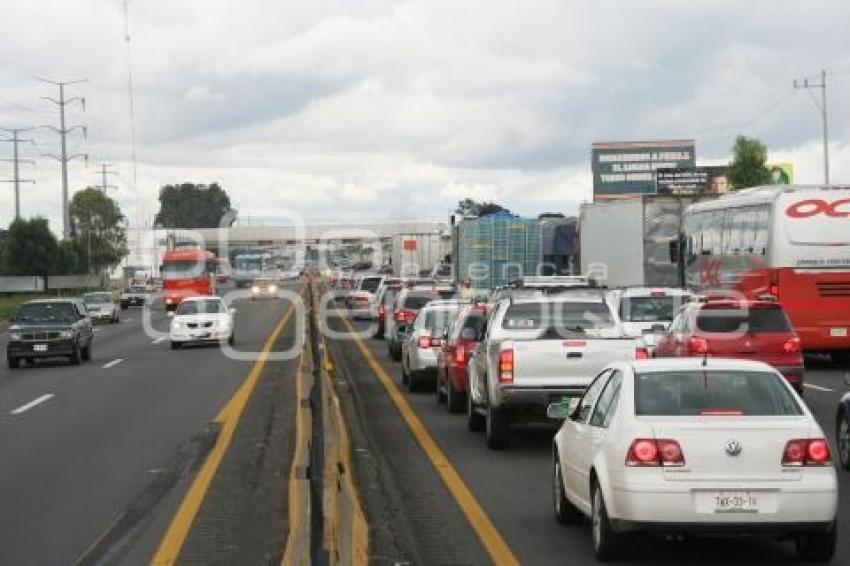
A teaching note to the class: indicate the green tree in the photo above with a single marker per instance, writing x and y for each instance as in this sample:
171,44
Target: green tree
192,206
99,230
30,248
748,169
70,258
471,208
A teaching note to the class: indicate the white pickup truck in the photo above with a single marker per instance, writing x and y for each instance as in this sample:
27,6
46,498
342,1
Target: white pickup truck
537,351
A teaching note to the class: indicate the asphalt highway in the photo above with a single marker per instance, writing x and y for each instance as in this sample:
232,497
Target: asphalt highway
513,487
80,444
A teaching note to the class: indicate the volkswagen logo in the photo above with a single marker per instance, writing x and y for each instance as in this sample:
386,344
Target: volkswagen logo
733,447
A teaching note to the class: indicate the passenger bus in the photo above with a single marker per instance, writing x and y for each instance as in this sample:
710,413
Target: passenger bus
187,273
791,242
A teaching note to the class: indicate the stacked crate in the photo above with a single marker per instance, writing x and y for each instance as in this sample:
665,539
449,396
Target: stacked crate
493,250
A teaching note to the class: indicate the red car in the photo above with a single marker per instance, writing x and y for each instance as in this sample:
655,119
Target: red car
461,339
736,328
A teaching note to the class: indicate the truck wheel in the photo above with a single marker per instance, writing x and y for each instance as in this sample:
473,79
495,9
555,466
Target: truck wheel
454,398
86,352
816,547
75,358
497,431
474,419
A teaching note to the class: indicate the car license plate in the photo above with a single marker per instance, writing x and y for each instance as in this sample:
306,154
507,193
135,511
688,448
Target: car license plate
39,347
838,332
735,502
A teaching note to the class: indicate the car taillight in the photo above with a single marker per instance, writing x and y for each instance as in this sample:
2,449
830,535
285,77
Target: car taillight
460,355
655,452
506,366
806,452
792,345
697,346
424,342
641,353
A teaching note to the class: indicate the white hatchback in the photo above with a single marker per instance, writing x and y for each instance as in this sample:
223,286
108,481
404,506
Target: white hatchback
201,319
680,446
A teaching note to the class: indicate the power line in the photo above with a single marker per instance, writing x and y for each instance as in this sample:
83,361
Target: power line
16,160
64,158
807,84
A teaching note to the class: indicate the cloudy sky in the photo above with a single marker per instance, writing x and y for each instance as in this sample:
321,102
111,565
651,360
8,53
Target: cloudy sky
371,110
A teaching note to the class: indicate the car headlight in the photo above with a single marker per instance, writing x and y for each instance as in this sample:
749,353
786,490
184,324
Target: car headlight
255,289
15,336
272,288
66,334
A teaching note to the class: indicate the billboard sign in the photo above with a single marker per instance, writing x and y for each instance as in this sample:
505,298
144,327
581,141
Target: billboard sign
705,179
623,168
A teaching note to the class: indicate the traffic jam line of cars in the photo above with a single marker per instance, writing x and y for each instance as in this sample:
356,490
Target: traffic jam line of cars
679,414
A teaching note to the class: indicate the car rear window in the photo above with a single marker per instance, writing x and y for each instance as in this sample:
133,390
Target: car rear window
733,319
650,309
565,316
712,392
473,321
370,284
438,319
416,302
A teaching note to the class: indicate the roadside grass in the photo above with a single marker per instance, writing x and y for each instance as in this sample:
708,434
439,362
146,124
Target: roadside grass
9,302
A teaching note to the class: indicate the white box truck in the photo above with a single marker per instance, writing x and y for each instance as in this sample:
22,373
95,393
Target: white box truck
627,242
417,254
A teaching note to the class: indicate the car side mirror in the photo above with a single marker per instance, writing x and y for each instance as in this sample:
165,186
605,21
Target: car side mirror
563,409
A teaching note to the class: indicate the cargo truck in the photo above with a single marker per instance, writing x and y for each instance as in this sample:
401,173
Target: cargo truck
628,242
418,254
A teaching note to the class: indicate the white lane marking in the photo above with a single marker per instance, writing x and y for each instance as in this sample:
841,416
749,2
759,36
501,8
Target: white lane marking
158,340
127,319
95,329
818,387
33,403
115,362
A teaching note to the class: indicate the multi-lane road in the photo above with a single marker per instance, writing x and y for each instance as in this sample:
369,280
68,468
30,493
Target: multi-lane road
96,457
429,522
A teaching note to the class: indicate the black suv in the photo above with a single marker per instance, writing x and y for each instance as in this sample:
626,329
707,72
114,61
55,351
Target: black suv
48,328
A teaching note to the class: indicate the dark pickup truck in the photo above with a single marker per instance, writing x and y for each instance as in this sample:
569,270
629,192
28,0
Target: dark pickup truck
49,328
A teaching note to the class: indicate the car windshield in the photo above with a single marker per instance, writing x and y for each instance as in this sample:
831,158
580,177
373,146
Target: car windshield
46,313
206,306
136,289
712,392
728,319
557,318
436,320
184,269
650,309
97,298
370,284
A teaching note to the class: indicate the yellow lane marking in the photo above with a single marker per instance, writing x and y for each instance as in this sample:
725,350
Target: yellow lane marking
295,503
228,417
493,542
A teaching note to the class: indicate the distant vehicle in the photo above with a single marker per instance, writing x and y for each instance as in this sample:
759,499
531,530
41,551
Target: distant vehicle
101,306
407,304
200,320
247,267
647,311
685,447
842,427
134,295
421,342
792,242
538,350
222,272
187,273
384,298
50,328
264,288
362,297
733,328
626,242
413,254
459,342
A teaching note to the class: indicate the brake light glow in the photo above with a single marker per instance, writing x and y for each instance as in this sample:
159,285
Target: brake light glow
806,452
792,345
721,413
460,355
574,343
506,366
653,452
641,353
425,342
697,346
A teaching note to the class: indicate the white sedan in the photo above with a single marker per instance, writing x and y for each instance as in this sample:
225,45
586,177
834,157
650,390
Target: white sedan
690,446
201,319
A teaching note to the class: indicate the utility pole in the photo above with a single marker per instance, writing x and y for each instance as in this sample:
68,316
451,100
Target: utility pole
806,84
104,172
16,160
63,157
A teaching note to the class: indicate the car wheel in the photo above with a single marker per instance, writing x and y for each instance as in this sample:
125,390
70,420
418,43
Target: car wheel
86,352
474,419
231,340
497,430
842,439
816,547
412,381
13,362
565,512
75,357
175,345
605,540
395,353
454,398
438,389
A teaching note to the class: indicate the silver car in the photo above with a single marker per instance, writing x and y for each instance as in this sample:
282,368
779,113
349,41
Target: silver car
102,307
420,346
